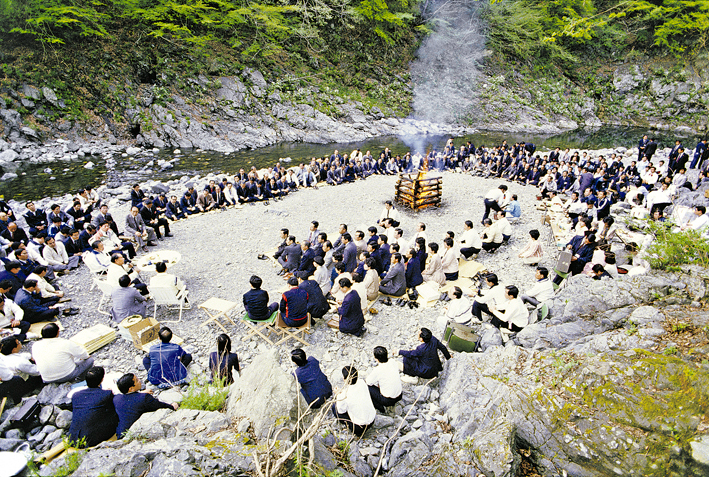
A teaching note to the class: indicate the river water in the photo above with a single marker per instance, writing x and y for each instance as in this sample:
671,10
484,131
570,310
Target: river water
36,181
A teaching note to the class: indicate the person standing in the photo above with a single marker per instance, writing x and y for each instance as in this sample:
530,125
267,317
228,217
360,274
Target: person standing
494,200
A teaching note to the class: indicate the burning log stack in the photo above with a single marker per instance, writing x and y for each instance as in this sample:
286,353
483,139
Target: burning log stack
417,191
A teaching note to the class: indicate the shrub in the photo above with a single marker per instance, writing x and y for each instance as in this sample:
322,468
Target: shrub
205,396
674,248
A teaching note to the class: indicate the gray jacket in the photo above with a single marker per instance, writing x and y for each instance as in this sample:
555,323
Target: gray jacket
135,224
394,283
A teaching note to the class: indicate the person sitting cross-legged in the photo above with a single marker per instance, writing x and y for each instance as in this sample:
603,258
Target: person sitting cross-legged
510,314
18,374
423,361
131,403
314,385
59,360
167,362
317,303
94,418
384,382
542,290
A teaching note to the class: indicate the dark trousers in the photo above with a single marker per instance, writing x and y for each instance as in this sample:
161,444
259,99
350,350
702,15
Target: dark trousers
468,252
344,418
491,246
479,308
185,359
379,401
497,323
18,387
529,299
24,327
161,222
46,315
317,404
451,277
490,205
128,247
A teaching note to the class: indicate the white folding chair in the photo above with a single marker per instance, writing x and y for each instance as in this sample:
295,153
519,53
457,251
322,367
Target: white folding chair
94,267
106,290
166,296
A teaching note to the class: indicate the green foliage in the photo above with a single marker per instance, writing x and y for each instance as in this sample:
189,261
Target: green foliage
205,396
674,248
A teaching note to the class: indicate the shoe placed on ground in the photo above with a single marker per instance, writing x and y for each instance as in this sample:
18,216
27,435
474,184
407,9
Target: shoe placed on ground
152,244
387,301
145,248
160,239
169,235
262,257
373,311
281,273
70,312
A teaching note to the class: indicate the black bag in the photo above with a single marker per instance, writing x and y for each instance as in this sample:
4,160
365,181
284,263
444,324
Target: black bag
27,412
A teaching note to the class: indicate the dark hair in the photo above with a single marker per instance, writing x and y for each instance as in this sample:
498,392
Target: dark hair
94,376
4,284
319,260
344,226
371,262
165,334
426,335
160,267
349,373
457,292
503,187
359,234
397,256
372,230
487,222
256,282
345,283
340,266
115,257
381,355
50,330
12,265
383,238
323,235
126,382
543,271
124,281
298,357
8,344
293,281
598,268
347,236
701,209
448,241
39,269
223,344
512,290
450,234
291,238
492,278
534,233
315,223
30,283
469,223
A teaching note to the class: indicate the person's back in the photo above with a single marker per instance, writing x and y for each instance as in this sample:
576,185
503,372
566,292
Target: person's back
94,418
166,362
127,301
294,304
59,359
423,361
315,387
317,303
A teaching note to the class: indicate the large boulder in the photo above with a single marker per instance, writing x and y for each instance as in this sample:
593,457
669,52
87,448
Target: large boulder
264,394
408,453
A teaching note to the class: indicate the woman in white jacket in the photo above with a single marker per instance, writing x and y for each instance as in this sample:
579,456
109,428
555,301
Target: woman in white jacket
434,268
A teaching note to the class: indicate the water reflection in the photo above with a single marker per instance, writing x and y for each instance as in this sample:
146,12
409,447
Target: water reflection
36,184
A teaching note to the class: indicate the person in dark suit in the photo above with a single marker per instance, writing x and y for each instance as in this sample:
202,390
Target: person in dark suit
698,151
15,277
394,283
314,385
94,417
160,204
650,149
350,311
188,203
13,233
317,303
36,218
136,196
423,361
294,305
84,237
674,152
29,299
413,270
306,266
349,253
290,258
173,210
79,216
73,246
132,404
256,301
582,251
680,162
283,245
151,219
642,147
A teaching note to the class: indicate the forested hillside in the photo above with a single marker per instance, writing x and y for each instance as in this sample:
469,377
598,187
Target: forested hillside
566,62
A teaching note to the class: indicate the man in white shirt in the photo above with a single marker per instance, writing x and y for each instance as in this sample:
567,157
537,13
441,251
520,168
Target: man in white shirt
11,317
470,242
389,231
167,280
59,360
659,199
511,314
494,296
700,222
384,382
56,256
494,200
542,291
119,267
389,212
353,406
421,232
17,375
504,226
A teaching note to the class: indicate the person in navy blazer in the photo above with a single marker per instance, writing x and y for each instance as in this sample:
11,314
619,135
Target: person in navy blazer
256,301
350,311
349,254
423,361
94,417
413,270
306,267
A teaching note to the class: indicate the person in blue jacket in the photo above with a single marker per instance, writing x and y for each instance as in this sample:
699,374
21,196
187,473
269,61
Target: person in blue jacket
350,311
314,385
167,362
413,270
423,361
294,305
94,417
